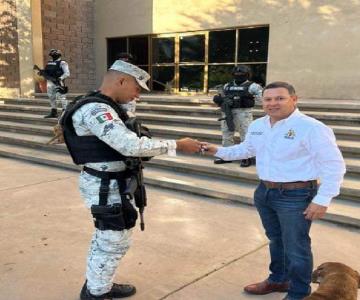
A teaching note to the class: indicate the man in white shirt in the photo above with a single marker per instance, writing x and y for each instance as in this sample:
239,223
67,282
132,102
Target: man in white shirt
293,151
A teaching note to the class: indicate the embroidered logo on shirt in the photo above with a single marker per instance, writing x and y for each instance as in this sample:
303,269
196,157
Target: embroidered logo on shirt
256,132
104,117
290,134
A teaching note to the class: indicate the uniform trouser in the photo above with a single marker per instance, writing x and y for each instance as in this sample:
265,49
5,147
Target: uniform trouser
55,96
242,118
108,246
281,213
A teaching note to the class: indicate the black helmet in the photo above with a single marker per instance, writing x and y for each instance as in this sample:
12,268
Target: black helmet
55,54
241,69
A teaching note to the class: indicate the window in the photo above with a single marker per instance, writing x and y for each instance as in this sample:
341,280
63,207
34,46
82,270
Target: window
163,50
253,44
115,46
191,78
222,46
181,62
163,78
192,48
138,47
219,75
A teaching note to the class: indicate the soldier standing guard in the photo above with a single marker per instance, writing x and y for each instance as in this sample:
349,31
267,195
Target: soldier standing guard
99,135
242,94
57,69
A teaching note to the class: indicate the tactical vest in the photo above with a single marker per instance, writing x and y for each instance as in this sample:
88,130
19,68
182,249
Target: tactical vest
89,149
53,69
240,94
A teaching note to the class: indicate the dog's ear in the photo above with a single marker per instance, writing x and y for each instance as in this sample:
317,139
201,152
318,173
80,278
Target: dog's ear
358,277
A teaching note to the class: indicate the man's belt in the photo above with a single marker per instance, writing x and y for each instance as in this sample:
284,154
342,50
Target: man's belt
107,175
290,185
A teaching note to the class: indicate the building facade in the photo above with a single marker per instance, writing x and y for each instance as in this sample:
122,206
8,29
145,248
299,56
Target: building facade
190,46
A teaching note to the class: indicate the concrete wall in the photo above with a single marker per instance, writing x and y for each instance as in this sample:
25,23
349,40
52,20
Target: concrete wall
9,52
69,26
313,44
115,18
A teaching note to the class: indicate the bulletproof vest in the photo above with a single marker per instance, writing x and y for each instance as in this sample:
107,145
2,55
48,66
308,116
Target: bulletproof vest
53,69
240,94
89,149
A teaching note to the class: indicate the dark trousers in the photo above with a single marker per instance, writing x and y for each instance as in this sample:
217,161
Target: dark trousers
281,213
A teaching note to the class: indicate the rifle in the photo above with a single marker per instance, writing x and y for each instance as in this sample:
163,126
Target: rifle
44,74
226,105
136,187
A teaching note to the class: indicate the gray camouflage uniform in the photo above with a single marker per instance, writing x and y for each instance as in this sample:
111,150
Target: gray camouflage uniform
53,95
108,246
242,118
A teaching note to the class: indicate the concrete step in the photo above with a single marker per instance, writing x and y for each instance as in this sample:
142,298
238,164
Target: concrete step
195,164
341,132
335,118
350,148
335,105
340,212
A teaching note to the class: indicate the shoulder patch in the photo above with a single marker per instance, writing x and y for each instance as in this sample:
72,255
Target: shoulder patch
104,117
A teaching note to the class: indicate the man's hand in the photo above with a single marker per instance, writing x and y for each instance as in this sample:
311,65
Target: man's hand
314,211
208,148
188,145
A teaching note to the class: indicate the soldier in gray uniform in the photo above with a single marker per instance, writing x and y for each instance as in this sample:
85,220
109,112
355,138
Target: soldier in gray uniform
240,94
100,135
58,69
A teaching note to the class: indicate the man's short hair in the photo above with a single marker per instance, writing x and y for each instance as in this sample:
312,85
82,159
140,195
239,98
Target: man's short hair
280,84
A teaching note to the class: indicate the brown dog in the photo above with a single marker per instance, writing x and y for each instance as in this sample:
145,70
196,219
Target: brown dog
336,282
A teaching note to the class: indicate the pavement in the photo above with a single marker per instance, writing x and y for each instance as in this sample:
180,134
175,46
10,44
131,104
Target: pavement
193,247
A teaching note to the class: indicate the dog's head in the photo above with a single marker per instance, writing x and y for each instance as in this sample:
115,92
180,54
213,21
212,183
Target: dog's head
328,268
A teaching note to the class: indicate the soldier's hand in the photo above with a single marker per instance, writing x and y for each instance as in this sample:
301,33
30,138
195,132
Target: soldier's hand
208,148
188,145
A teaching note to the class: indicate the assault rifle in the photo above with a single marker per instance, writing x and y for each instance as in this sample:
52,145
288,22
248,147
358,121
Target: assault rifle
226,104
61,87
136,187
44,74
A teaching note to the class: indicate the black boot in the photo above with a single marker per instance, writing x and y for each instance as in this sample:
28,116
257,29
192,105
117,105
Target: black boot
53,114
245,163
117,291
219,161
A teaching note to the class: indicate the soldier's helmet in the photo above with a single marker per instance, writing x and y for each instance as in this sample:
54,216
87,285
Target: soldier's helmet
241,70
55,53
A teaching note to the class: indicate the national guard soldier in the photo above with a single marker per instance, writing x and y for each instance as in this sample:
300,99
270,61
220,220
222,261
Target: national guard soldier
100,136
236,101
56,71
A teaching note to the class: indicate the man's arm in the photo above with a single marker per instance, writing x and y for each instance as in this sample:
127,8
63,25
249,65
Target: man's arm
330,163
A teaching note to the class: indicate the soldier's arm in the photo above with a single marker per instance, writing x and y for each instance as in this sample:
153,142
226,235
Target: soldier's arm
256,90
103,122
65,67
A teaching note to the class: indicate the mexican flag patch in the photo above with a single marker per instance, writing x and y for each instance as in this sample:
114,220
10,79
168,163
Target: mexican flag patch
104,117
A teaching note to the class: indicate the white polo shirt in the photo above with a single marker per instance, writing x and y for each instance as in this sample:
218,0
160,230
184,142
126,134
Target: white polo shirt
298,148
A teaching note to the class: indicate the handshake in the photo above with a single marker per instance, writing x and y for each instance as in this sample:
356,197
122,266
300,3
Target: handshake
188,145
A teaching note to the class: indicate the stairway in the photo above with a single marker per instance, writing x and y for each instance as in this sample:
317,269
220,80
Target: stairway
24,133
